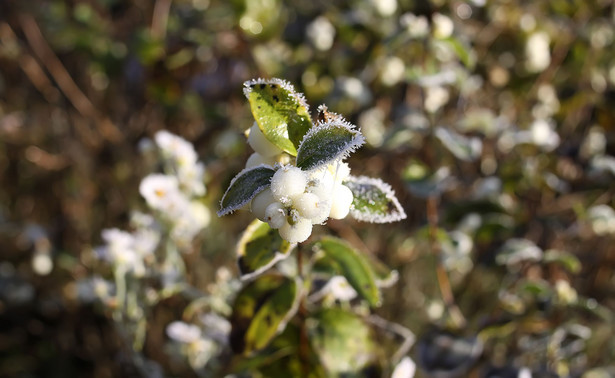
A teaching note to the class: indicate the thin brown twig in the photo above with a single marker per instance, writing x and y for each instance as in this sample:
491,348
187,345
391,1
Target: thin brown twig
66,83
29,65
160,18
443,282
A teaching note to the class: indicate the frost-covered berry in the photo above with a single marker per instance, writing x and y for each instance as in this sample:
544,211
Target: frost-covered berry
275,215
288,182
297,232
260,202
260,143
312,207
258,159
341,201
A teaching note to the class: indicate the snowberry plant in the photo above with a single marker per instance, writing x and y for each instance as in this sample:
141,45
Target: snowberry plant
311,318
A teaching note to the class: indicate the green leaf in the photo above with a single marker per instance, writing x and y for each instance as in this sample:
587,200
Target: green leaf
260,248
374,201
284,357
385,277
261,311
343,342
433,185
327,142
464,53
281,113
566,259
464,148
247,184
353,266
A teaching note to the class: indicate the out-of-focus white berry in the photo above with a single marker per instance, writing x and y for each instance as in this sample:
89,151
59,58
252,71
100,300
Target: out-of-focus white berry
442,26
312,207
260,143
321,33
340,205
260,203
258,159
158,189
275,215
183,332
298,232
537,52
176,147
288,182
405,369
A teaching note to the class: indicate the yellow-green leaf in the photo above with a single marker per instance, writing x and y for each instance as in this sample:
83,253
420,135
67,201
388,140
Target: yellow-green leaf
281,113
343,342
261,311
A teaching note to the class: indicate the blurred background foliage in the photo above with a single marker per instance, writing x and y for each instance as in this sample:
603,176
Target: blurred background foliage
493,121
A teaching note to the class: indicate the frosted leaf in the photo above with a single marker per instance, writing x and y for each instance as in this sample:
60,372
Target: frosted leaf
327,142
247,184
518,250
374,201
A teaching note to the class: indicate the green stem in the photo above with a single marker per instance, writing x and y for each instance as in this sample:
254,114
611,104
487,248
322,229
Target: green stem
304,350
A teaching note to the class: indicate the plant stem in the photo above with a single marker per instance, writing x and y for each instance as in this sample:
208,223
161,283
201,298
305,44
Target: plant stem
443,282
304,351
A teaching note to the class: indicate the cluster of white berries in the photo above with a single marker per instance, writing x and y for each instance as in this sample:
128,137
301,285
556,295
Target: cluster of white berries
298,200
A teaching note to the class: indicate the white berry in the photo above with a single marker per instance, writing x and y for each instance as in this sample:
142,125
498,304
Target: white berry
258,159
298,232
275,215
260,143
288,182
260,203
340,205
310,206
